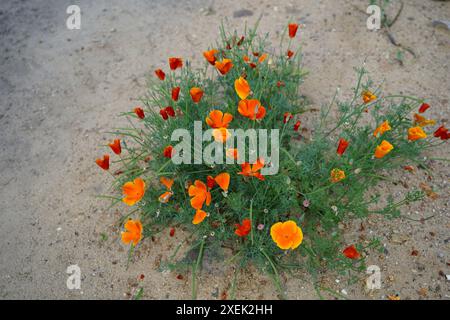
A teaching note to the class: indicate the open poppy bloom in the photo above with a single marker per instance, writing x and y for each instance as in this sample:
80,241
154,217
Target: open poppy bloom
104,162
133,232
287,235
289,54
219,122
133,191
351,252
253,170
168,152
423,107
164,198
232,153
337,175
196,94
115,146
210,56
416,133
442,133
175,63
175,93
244,228
242,88
383,149
224,66
160,74
139,112
382,129
223,180
292,29
251,109
422,121
200,194
368,96
343,144
297,125
199,216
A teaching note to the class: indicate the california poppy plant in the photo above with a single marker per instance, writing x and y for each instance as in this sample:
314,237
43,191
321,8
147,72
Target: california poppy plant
224,66
251,109
292,29
196,94
175,93
133,191
442,133
199,195
368,96
383,149
242,88
286,235
351,252
416,133
210,56
243,229
139,112
133,233
115,146
175,63
103,162
160,74
382,128
337,175
249,170
342,146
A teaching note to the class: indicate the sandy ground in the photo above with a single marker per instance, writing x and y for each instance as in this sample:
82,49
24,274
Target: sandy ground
61,89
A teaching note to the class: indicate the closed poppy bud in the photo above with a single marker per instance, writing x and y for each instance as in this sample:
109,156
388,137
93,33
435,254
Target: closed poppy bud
172,232
210,182
289,54
262,58
424,107
139,112
163,114
442,133
292,29
228,46
287,116
175,63
196,94
252,65
240,41
246,58
351,252
297,125
168,152
103,163
169,110
160,74
175,93
115,146
280,84
343,144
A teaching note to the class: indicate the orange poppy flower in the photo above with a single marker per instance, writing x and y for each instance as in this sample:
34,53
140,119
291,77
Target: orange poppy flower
442,133
232,153
217,119
262,58
199,216
196,94
287,235
351,252
223,180
242,88
292,29
382,129
224,66
246,58
383,149
133,232
343,144
289,54
422,121
133,191
168,152
115,146
210,56
252,170
251,109
424,107
139,112
368,96
416,133
244,228
165,197
175,93
160,74
200,194
103,163
175,63
337,175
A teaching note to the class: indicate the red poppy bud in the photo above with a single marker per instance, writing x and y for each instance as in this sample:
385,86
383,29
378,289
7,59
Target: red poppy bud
297,125
175,93
343,144
163,114
423,107
160,74
139,112
170,111
172,232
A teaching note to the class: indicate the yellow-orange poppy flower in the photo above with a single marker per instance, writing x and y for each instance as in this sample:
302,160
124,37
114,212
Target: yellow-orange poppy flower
133,191
133,232
382,129
422,121
219,122
165,197
199,216
368,96
242,88
262,58
223,180
210,56
416,133
383,149
337,175
253,170
200,194
224,66
251,109
287,235
196,94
